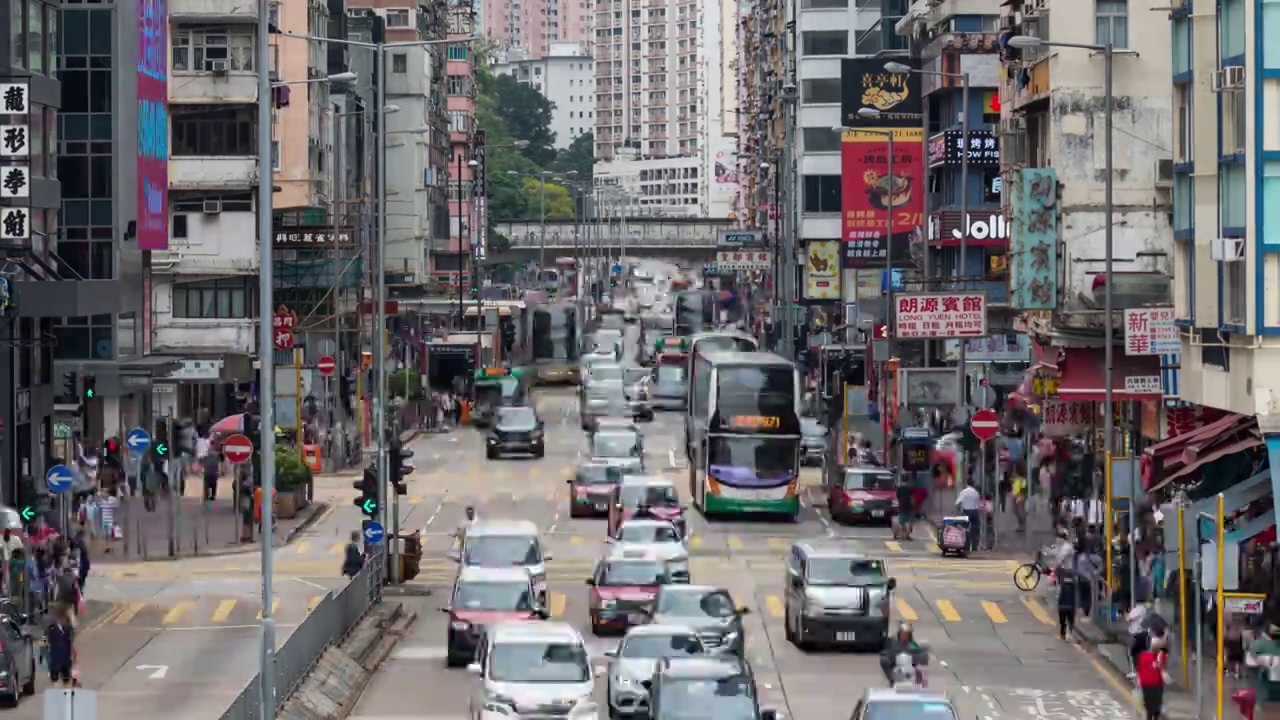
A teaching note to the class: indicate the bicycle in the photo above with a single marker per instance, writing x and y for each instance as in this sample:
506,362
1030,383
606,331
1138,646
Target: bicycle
1026,577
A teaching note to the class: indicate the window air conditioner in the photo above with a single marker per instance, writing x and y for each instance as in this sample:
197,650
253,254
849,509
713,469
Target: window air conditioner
1164,172
1233,77
219,67
1217,81
212,207
1226,249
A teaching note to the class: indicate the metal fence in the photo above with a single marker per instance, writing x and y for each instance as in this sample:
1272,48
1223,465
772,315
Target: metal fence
337,613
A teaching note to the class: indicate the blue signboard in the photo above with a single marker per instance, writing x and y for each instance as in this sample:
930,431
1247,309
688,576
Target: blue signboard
59,478
1033,243
138,441
374,532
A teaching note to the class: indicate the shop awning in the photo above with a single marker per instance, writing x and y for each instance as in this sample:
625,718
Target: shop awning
1251,529
1134,377
1174,451
1249,442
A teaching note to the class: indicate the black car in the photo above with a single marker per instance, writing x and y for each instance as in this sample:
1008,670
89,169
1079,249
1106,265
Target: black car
591,487
17,656
516,430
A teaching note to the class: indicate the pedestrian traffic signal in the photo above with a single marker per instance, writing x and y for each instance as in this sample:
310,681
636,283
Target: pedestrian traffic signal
70,386
90,387
475,290
613,282
367,501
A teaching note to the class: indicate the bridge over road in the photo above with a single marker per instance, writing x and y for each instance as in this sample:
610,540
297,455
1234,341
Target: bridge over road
691,239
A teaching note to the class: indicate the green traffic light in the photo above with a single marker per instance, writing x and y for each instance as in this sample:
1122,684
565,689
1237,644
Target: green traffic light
369,507
161,449
89,393
28,513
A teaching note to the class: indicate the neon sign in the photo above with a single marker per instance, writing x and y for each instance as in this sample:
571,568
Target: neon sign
755,422
153,125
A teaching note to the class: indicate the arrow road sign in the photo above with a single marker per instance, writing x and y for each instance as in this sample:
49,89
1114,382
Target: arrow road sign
237,448
28,513
138,440
374,532
59,478
162,449
985,424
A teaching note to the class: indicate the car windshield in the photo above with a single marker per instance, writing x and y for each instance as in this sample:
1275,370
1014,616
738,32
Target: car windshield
844,571
812,428
645,533
671,375
485,595
714,604
859,479
612,321
615,445
730,698
602,373
654,495
502,551
539,662
909,710
517,418
633,572
598,474
660,646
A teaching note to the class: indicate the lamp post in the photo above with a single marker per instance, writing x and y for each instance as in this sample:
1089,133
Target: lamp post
463,246
1108,55
962,378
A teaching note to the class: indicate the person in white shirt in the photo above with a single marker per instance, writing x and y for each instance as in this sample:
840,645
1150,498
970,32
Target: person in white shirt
970,502
467,523
8,543
1139,638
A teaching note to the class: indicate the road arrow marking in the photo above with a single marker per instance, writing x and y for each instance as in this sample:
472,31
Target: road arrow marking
157,671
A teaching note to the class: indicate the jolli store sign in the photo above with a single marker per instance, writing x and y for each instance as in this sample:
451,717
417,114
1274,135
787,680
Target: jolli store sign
982,229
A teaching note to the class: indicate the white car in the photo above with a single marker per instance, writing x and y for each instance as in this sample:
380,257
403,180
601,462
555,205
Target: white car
505,544
660,537
532,670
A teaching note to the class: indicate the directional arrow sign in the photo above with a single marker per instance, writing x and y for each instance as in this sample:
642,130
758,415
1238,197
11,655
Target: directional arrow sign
374,532
162,449
59,478
138,440
28,513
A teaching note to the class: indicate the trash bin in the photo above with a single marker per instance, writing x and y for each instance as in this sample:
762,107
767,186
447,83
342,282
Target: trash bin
409,559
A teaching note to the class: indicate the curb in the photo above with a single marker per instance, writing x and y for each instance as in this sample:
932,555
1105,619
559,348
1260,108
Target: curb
316,509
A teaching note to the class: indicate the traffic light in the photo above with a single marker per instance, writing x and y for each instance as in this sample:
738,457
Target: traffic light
160,443
395,467
70,385
253,429
613,281
368,498
90,387
475,287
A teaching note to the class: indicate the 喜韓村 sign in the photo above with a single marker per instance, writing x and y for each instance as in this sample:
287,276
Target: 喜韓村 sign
940,315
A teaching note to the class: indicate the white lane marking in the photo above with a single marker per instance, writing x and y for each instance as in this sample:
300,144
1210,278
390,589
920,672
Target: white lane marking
314,585
420,652
555,520
436,512
157,671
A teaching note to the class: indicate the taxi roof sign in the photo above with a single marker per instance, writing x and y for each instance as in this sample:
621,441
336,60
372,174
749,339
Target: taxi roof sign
496,372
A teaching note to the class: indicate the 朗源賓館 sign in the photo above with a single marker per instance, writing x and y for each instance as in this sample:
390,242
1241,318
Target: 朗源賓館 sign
1061,418
822,270
1033,245
941,315
1150,331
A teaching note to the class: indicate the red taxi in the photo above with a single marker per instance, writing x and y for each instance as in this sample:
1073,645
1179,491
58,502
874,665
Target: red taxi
623,588
658,494
862,493
484,596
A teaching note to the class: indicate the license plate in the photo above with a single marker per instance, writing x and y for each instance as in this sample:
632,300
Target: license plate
600,507
877,513
846,637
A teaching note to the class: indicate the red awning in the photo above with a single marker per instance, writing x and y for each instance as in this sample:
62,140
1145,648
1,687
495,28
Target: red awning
1246,443
1170,450
1083,371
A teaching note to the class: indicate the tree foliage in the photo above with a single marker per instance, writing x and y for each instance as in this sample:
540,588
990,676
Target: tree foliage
558,199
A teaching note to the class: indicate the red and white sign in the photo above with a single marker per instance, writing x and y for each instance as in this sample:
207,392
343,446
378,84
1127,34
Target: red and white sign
940,315
283,321
326,365
1151,331
237,448
1066,419
985,424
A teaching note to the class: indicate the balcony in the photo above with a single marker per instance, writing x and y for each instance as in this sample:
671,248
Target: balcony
196,88
207,172
213,11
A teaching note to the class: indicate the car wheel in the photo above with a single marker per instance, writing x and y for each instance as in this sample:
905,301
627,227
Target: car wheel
800,641
540,453
787,631
490,454
16,695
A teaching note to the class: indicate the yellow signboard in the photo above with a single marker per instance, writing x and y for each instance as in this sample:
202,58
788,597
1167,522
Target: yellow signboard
822,270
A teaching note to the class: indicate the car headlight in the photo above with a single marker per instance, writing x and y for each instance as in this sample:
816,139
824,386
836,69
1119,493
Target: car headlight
499,703
855,503
460,625
493,441
731,637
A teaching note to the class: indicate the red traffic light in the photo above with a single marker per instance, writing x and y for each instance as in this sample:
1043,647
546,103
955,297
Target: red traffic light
112,446
880,331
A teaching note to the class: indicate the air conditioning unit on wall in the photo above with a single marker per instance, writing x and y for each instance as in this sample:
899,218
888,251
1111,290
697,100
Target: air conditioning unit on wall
1226,249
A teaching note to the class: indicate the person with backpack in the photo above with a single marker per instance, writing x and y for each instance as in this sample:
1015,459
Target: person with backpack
60,637
353,559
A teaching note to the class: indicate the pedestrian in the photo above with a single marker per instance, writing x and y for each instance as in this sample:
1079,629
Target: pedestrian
353,560
82,554
969,501
60,638
1067,598
1152,678
1139,637
209,465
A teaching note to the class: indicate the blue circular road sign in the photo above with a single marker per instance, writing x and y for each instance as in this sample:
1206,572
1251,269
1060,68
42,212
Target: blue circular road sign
138,440
617,267
374,532
59,478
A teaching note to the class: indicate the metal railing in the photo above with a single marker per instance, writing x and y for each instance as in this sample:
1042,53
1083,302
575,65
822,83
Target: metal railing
326,625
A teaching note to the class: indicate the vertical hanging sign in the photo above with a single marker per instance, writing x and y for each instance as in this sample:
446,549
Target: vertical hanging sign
15,164
153,125
481,221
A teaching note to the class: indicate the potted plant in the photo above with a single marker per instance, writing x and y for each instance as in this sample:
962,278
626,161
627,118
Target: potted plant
293,478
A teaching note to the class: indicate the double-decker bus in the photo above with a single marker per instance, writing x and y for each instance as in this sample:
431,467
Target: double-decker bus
553,341
703,310
746,456
700,344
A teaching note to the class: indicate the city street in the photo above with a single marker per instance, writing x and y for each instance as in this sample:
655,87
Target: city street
994,646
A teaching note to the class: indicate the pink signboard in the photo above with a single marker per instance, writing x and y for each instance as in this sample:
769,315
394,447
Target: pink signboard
153,125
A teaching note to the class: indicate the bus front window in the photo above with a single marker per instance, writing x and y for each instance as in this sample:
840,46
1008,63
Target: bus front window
768,457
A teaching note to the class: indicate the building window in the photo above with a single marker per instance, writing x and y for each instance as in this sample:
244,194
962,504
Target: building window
202,49
820,90
823,4
181,202
35,36
232,298
1270,200
1236,283
825,42
397,17
1271,28
1183,269
822,193
456,52
17,35
83,338
1181,42
1232,28
400,63
1231,198
275,155
1183,140
88,251
212,132
821,140
1184,202
1234,122
1111,23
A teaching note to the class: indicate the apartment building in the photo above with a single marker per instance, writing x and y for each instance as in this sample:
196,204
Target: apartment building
530,29
566,77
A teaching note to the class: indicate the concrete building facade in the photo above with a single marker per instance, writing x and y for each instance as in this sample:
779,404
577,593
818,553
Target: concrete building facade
529,29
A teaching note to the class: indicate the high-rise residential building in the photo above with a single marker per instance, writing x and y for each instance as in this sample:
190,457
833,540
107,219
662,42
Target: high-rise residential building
453,264
566,77
527,29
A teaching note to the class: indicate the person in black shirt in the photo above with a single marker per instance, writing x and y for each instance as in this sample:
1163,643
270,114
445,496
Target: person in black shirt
61,637
906,509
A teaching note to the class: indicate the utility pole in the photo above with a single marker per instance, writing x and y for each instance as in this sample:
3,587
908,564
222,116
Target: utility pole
542,222
787,294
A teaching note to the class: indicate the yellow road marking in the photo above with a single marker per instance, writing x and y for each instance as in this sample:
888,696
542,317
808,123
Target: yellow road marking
415,500
893,545
575,540
337,548
224,611
176,613
1037,611
556,604
775,606
994,612
311,606
695,542
907,612
275,604
734,542
130,611
779,542
948,611
302,547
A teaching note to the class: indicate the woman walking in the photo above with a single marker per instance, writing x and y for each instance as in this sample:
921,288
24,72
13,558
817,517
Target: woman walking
1068,591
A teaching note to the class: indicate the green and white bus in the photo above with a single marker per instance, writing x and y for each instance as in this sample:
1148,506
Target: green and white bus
746,442
702,343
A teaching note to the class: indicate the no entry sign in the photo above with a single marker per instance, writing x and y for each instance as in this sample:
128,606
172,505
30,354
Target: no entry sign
326,365
985,425
237,448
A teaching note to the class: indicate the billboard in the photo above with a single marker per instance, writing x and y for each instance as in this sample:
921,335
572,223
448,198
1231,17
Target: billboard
1033,244
872,199
940,315
864,83
822,270
725,165
153,125
1151,331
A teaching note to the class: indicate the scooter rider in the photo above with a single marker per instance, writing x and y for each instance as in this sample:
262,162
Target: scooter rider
903,643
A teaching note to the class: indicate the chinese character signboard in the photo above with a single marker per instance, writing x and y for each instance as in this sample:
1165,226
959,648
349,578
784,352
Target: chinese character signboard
946,149
1150,331
733,260
869,253
152,83
872,197
864,83
1033,245
1062,419
822,270
15,163
282,323
940,315
320,238
1143,385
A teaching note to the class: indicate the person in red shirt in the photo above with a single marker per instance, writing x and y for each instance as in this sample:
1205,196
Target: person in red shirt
1151,675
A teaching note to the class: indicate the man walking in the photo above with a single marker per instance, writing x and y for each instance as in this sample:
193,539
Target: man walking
970,503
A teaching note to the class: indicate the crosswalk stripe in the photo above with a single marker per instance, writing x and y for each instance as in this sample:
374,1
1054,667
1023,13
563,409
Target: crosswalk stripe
337,548
778,542
948,611
575,541
695,542
893,545
734,542
302,547
994,612
775,606
129,612
275,605
415,500
224,611
557,603
177,612
1037,611
907,612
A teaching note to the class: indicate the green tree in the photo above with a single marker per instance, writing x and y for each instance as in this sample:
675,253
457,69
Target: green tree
559,201
580,157
526,115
